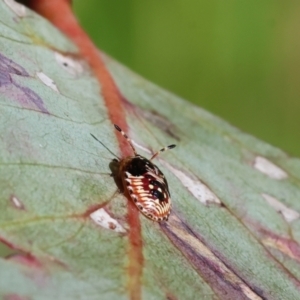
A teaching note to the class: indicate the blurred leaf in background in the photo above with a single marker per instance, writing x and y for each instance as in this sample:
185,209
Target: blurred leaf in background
237,59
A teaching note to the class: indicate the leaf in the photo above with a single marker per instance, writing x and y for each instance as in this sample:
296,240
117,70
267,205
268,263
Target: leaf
234,228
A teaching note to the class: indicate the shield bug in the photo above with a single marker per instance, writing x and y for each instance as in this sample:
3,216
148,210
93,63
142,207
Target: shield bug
143,182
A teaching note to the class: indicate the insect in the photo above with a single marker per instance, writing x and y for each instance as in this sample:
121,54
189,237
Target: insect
144,183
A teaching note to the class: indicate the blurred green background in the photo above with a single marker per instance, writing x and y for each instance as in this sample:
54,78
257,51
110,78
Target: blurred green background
238,59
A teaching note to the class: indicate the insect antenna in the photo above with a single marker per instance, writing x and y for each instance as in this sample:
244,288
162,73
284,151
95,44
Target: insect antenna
162,150
105,147
127,138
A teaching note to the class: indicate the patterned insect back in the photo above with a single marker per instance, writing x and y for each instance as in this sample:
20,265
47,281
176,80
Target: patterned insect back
145,184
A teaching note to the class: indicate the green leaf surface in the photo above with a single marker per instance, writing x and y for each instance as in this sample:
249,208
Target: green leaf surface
226,233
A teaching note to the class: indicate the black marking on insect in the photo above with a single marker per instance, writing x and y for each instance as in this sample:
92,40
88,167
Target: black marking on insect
143,182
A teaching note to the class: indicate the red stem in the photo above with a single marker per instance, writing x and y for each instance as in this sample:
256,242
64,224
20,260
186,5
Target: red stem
59,13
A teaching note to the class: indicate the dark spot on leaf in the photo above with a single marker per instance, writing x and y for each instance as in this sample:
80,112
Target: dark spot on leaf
170,296
7,66
161,122
211,267
155,118
23,95
28,97
112,226
5,79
